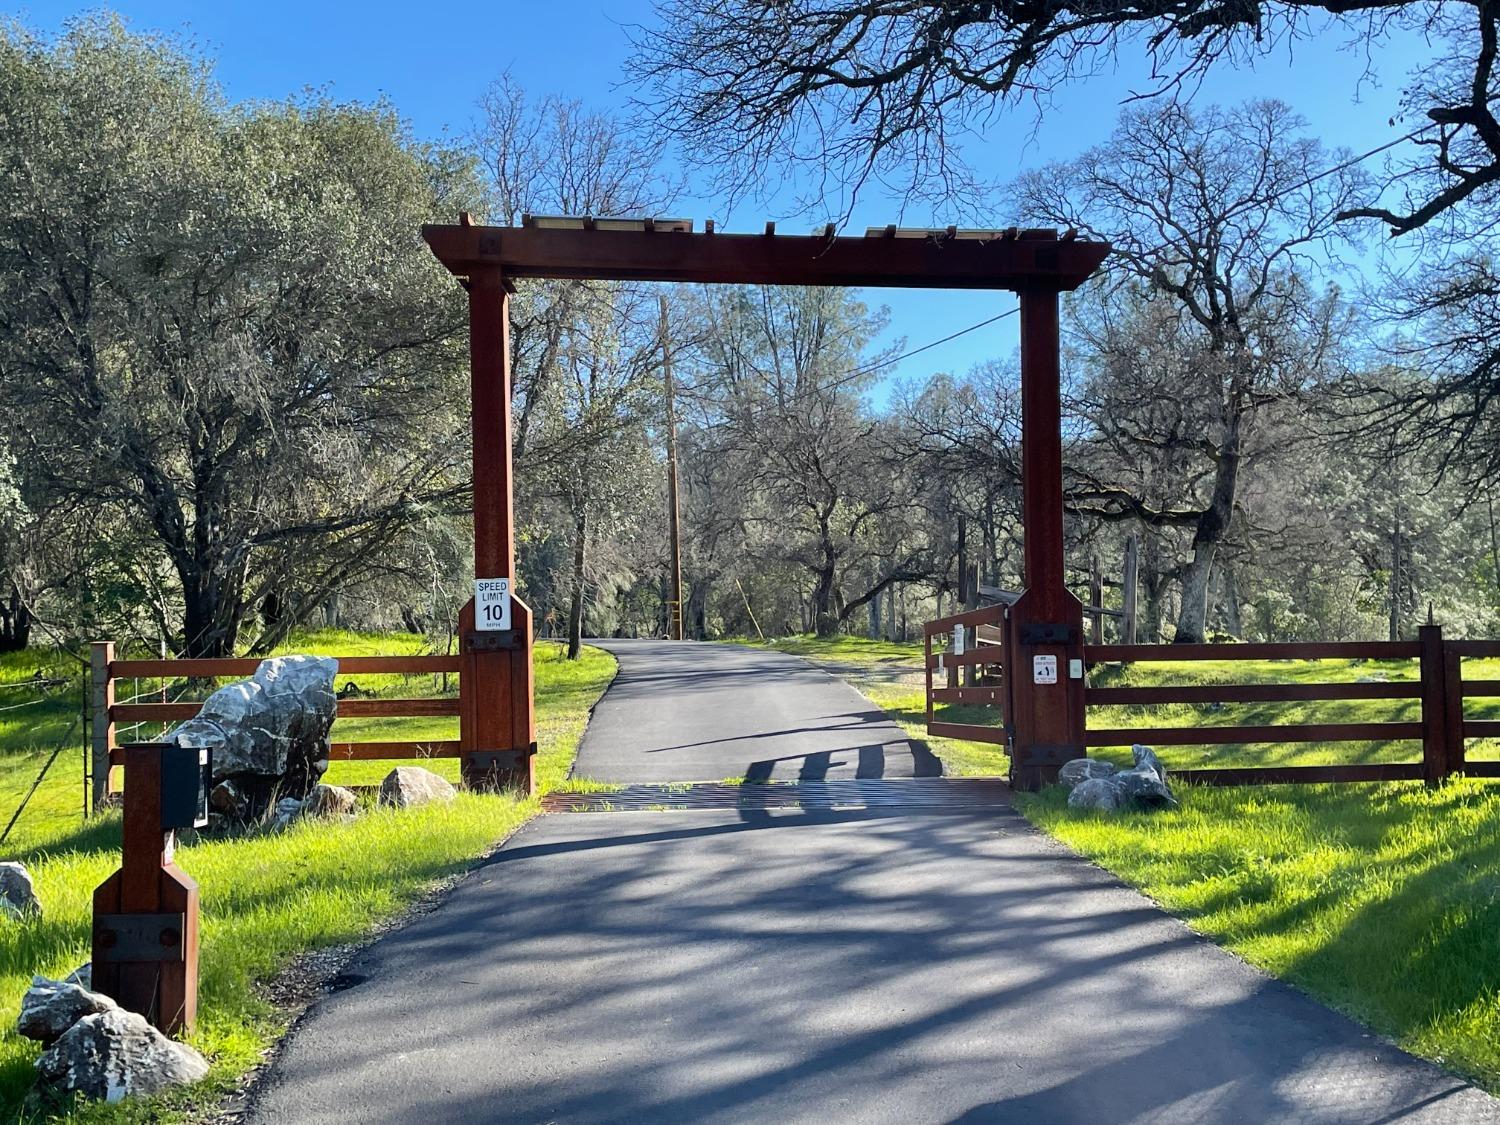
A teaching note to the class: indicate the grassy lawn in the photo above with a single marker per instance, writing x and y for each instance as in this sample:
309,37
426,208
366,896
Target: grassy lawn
1381,900
265,898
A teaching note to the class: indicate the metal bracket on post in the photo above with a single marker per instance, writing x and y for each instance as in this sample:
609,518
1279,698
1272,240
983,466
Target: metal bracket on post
489,761
1048,633
492,640
139,937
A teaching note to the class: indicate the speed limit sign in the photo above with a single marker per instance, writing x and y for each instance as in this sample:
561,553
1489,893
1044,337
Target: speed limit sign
491,604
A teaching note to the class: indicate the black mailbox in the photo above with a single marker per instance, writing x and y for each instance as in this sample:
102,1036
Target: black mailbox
186,778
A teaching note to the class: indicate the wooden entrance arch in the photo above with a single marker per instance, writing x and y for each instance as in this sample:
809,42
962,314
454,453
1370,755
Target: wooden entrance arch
498,729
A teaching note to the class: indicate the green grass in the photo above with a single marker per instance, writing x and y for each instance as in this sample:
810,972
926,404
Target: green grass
265,899
1381,900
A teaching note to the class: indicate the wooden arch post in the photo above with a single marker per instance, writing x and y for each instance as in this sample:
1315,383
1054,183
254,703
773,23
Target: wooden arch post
497,723
1044,633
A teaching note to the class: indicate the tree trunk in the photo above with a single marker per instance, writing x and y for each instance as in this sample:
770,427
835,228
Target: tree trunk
825,614
1396,578
1213,525
1233,621
15,622
697,612
209,628
1152,585
575,607
875,619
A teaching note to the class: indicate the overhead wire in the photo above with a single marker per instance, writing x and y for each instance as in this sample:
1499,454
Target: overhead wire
1344,165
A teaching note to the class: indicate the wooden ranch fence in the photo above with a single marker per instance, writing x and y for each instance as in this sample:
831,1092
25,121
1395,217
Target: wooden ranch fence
1442,729
109,712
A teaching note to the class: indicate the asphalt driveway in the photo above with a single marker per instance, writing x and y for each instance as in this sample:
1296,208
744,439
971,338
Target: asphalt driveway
902,965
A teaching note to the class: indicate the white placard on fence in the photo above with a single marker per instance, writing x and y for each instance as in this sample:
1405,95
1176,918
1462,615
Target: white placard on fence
491,603
1044,669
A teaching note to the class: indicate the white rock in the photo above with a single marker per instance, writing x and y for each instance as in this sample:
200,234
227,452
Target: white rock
116,1054
406,787
329,800
287,810
17,893
50,1007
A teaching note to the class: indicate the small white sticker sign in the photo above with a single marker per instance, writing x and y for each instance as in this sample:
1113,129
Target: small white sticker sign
1044,669
491,604
958,640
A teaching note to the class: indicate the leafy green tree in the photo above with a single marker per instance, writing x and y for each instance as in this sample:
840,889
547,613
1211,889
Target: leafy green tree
222,323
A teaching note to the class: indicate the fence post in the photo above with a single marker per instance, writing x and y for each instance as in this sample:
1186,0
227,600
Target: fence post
1437,750
1096,601
1453,710
102,685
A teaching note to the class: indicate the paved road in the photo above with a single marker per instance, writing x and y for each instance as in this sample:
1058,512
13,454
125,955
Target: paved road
705,712
822,967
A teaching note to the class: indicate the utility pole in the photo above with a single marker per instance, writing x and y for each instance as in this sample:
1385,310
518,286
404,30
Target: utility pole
1131,579
674,607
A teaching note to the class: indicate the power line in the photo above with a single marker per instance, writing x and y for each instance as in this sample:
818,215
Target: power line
875,366
855,373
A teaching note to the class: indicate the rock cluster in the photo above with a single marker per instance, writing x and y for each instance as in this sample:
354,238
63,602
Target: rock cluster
405,787
1098,785
268,735
96,1048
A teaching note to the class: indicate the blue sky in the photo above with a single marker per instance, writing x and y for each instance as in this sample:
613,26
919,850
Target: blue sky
433,59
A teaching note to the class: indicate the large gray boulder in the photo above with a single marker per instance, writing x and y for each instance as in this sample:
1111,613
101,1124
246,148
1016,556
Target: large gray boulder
406,787
1079,770
17,892
1143,786
268,734
115,1054
51,1007
1096,793
1145,759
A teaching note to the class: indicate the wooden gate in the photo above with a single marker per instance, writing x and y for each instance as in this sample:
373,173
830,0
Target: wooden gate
967,667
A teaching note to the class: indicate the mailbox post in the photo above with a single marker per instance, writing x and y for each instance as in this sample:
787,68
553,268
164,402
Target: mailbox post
146,913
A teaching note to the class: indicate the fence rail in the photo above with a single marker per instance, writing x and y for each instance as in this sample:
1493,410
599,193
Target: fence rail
1441,731
109,713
